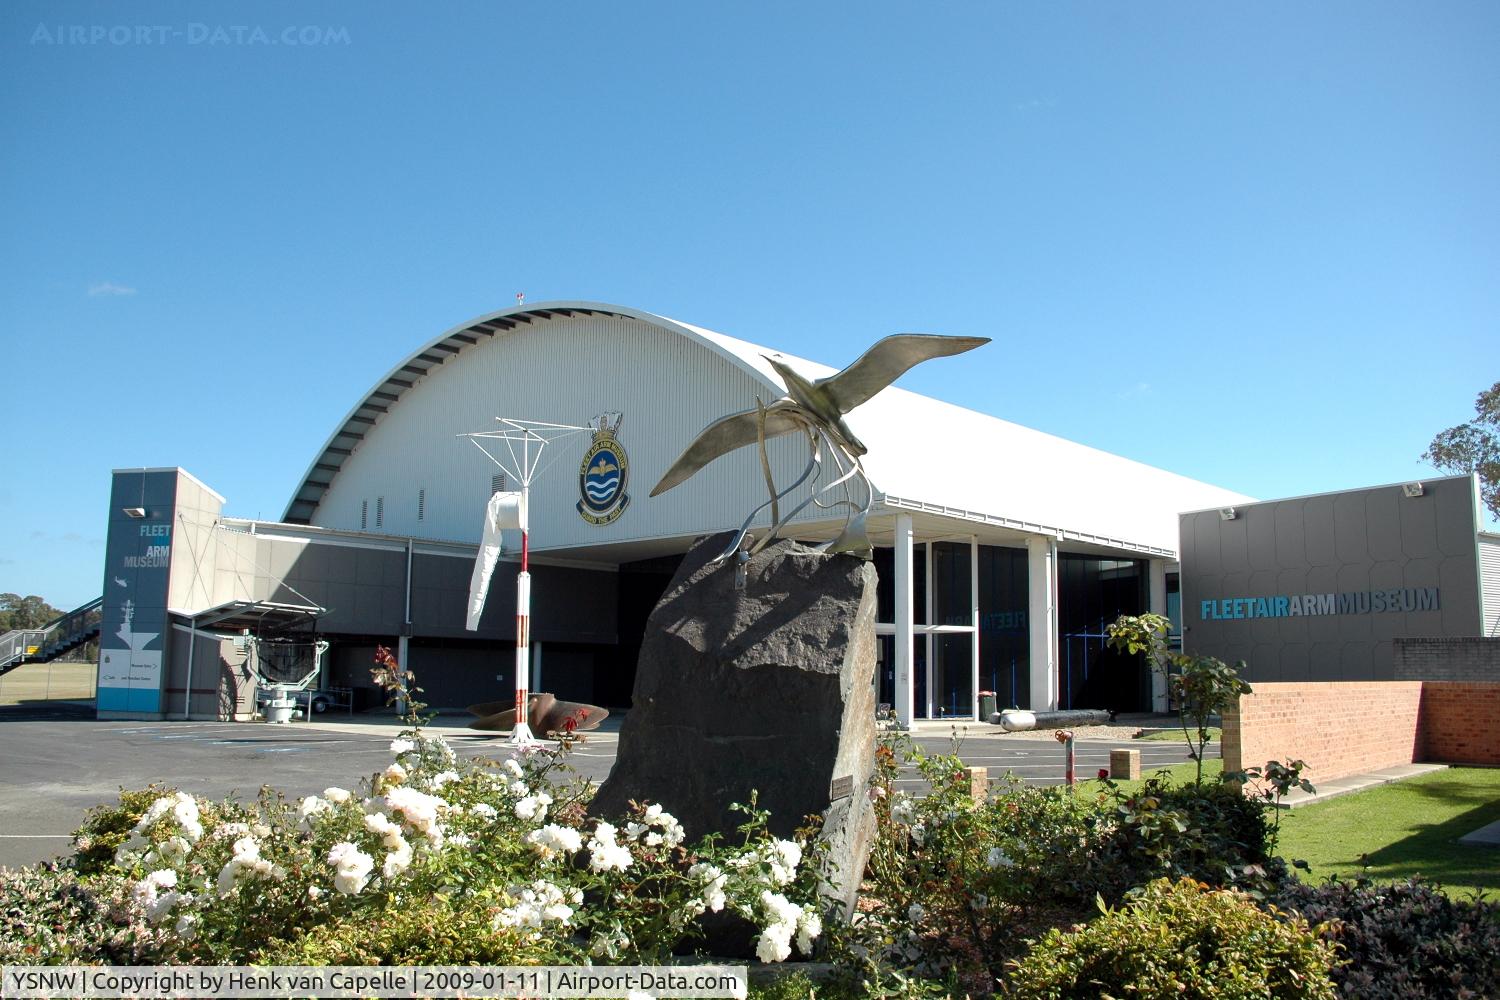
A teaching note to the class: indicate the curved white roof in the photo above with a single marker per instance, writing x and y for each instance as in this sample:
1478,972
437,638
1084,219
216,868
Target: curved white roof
925,454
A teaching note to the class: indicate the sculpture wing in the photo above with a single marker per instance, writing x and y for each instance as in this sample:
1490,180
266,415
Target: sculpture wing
728,434
887,361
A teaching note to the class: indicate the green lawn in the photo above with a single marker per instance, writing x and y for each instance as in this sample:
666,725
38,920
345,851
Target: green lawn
1408,828
1175,735
1178,774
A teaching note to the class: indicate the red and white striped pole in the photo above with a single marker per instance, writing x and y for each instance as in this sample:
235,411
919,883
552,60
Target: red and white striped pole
521,733
1070,776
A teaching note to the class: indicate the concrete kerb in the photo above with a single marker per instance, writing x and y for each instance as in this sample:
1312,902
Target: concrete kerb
446,725
1355,782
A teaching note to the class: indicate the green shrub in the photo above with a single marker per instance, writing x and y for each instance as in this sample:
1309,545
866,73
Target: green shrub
1211,833
956,887
1404,940
106,827
48,916
434,930
1178,941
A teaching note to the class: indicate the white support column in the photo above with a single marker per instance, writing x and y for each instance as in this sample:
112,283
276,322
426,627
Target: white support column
902,612
1041,586
1157,575
974,621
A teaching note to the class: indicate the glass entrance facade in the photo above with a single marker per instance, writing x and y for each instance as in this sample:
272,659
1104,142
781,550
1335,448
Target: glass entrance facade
1091,593
943,609
1004,626
947,577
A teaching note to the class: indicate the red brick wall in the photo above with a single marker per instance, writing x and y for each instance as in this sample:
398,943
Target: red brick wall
1337,727
1460,722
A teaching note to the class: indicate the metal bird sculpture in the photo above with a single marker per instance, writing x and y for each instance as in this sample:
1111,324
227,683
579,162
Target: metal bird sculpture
816,408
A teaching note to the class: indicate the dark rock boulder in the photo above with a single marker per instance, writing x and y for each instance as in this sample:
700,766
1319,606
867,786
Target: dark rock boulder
766,689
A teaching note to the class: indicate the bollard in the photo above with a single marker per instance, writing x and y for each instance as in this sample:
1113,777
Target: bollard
979,783
1125,765
1065,737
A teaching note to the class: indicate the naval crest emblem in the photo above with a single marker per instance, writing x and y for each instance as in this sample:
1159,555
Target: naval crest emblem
603,473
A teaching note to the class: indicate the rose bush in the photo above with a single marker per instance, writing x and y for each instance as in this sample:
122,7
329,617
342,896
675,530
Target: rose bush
501,850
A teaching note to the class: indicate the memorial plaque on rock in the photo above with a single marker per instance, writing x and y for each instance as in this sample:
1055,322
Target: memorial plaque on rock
766,689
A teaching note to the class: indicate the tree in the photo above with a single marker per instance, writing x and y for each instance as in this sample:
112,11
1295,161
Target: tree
1474,447
17,612
1202,686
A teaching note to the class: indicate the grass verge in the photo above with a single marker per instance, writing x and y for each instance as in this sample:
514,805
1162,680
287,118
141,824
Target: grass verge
1175,735
1401,830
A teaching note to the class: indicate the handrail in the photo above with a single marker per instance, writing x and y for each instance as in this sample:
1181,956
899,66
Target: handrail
18,644
57,635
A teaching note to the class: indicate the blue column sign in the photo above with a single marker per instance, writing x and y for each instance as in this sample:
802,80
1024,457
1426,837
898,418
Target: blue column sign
138,560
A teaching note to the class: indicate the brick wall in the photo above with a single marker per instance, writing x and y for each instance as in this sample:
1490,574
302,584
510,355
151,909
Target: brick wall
1337,727
1460,723
1350,727
1475,658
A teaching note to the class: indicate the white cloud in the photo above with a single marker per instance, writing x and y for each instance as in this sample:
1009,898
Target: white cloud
109,288
1136,391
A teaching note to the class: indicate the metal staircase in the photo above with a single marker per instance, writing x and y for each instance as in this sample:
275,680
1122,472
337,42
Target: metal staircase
38,645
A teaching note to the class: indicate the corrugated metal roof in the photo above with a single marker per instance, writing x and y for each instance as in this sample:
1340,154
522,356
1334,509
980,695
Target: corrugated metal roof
925,454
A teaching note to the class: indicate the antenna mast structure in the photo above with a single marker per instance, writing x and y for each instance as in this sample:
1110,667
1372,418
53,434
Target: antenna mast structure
517,448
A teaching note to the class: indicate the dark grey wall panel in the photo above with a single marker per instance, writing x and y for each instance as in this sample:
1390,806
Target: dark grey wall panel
363,589
1372,544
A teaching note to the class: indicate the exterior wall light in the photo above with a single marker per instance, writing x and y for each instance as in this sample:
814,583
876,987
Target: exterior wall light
1413,489
134,511
1228,514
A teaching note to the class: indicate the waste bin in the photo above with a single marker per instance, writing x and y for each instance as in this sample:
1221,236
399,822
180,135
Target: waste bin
986,705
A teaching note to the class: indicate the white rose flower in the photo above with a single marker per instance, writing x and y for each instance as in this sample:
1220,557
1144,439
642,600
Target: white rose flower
401,745
809,927
775,943
310,808
338,796
397,861
903,810
999,859
552,840
174,849
533,807
353,867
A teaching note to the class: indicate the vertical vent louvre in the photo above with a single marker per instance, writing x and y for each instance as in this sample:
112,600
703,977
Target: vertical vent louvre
421,505
364,514
497,483
380,512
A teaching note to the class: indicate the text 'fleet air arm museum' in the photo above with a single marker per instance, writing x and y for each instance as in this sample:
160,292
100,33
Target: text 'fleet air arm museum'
1002,552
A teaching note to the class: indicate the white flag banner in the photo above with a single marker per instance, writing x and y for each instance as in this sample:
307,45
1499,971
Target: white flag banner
505,510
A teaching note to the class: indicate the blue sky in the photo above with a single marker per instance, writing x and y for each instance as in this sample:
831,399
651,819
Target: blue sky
1256,244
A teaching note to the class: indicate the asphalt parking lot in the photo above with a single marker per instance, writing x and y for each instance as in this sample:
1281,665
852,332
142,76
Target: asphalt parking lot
56,762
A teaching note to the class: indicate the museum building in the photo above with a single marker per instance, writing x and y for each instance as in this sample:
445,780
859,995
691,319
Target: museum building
1002,552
